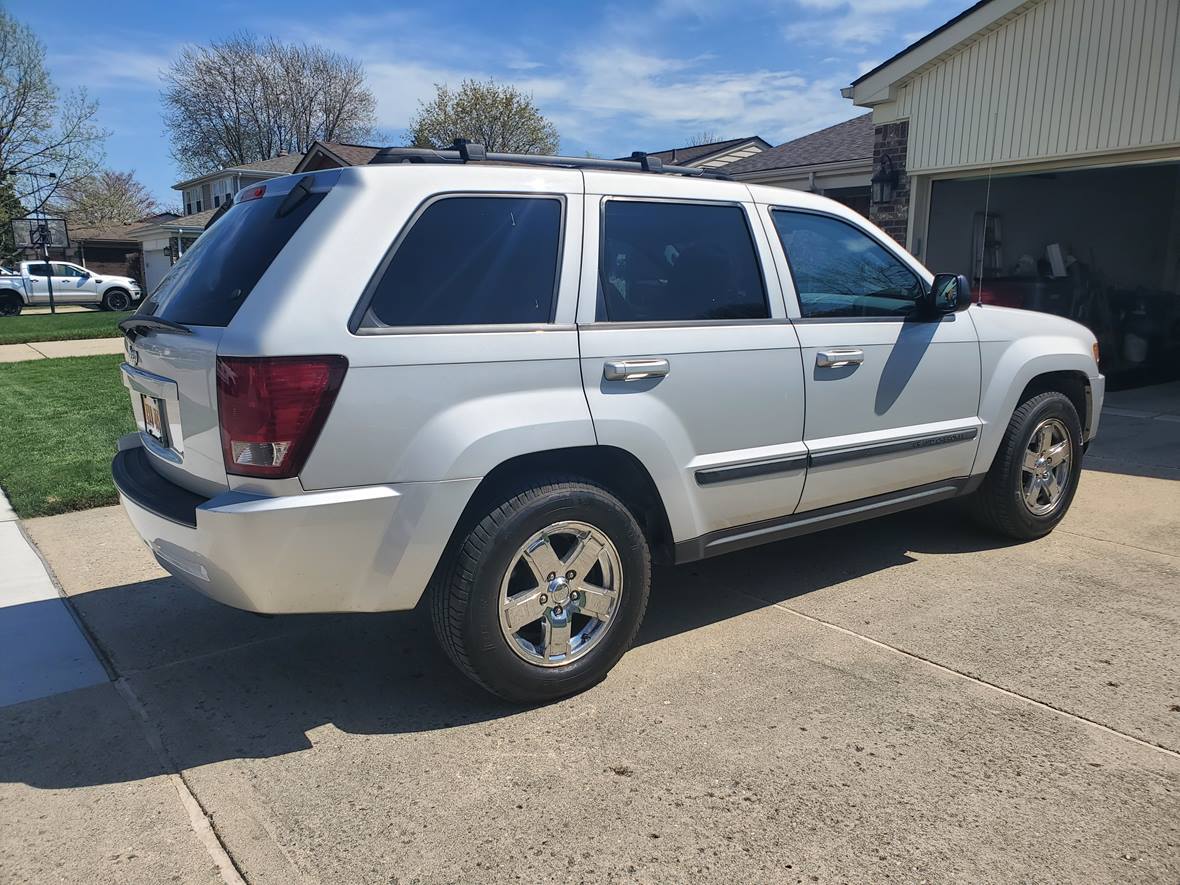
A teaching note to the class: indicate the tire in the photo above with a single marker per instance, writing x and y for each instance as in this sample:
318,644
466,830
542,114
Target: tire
485,565
10,305
116,299
1002,503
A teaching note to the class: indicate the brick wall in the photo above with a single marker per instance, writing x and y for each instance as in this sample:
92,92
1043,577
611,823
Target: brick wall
892,217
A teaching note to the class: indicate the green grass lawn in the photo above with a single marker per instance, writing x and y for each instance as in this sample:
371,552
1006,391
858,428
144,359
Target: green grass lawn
59,420
61,327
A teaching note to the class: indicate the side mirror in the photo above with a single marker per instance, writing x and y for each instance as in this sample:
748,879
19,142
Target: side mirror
950,293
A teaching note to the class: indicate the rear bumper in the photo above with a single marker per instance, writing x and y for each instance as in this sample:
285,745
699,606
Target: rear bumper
345,550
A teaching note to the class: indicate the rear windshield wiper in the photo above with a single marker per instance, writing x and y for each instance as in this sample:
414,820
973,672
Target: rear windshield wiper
135,326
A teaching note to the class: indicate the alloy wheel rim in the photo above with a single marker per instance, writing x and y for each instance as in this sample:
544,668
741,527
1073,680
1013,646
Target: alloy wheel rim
560,593
1045,470
118,301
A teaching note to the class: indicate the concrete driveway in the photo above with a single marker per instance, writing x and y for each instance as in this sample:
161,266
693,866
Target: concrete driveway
904,700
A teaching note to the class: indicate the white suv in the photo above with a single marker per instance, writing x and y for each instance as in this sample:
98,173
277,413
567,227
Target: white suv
513,383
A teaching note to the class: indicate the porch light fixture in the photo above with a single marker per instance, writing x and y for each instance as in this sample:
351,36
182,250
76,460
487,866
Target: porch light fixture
884,181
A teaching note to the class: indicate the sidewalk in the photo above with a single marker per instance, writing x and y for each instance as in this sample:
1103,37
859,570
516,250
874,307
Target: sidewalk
42,651
39,350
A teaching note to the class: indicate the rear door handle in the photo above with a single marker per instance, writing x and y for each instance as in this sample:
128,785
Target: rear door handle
635,370
834,359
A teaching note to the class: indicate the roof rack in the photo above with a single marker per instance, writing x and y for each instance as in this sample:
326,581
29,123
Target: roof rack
464,151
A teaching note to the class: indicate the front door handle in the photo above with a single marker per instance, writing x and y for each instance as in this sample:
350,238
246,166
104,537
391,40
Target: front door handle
834,359
635,370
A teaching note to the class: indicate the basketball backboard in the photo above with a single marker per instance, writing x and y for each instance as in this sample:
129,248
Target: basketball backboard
33,233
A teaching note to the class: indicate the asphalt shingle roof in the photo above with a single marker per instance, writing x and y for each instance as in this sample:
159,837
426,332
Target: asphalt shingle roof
285,163
354,154
850,140
683,155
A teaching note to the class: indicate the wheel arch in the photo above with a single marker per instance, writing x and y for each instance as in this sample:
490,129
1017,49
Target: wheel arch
1073,383
1067,373
615,469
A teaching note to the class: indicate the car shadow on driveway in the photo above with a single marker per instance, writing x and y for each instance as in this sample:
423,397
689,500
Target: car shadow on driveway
220,684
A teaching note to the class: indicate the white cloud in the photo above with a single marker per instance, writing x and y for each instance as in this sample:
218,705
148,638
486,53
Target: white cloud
624,98
858,22
122,68
607,91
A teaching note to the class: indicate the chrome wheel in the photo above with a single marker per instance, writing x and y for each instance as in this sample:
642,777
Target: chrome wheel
1045,471
560,593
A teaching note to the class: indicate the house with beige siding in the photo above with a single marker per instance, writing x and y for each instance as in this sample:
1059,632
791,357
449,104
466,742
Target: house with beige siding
1035,144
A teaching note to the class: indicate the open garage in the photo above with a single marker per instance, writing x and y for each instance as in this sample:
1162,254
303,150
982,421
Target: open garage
1035,144
1101,246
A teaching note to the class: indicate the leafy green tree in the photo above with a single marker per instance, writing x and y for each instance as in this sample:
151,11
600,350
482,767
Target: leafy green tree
501,118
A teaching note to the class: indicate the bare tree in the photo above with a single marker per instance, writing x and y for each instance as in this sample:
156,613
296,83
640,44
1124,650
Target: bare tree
108,196
705,136
250,98
41,131
501,118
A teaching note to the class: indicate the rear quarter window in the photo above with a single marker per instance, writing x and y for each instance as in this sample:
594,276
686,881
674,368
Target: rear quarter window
213,279
472,260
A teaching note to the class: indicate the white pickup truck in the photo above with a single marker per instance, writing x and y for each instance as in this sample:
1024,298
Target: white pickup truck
72,284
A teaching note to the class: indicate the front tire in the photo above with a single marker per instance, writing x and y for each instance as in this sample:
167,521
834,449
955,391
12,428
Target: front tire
1035,473
542,596
116,299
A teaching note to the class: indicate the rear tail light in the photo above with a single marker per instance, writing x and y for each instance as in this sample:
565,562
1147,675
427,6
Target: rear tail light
253,193
271,410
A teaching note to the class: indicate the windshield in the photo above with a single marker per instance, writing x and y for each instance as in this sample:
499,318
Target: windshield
212,280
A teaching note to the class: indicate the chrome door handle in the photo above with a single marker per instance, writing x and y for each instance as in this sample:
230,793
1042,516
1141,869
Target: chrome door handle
634,370
834,359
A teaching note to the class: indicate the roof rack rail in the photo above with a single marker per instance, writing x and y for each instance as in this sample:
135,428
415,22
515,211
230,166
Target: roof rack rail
464,151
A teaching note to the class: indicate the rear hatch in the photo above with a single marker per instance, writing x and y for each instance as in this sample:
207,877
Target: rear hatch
172,340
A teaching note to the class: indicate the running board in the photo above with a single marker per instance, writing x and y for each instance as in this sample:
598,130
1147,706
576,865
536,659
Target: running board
753,534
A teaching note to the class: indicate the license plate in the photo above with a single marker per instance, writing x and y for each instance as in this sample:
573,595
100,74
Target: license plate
153,418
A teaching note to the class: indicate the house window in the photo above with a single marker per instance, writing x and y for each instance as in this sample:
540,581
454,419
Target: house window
216,200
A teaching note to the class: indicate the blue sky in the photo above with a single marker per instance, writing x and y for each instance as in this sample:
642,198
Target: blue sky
614,77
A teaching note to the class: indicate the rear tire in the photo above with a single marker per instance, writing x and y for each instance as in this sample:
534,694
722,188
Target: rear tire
1035,473
116,299
10,305
549,642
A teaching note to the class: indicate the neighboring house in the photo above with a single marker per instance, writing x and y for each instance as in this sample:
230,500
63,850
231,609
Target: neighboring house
714,155
164,240
209,191
1036,144
111,248
836,162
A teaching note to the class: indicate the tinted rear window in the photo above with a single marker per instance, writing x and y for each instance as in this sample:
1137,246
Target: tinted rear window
217,273
473,260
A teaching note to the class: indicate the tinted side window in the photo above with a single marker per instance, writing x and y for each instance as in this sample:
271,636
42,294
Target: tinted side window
473,260
40,270
840,271
677,261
